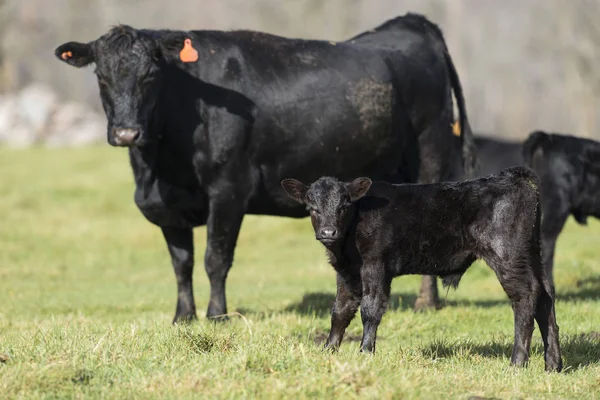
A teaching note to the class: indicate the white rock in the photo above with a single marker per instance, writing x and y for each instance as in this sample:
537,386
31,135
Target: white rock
8,110
35,104
74,124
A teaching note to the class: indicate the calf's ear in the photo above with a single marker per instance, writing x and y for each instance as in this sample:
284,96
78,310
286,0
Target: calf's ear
295,189
75,54
358,188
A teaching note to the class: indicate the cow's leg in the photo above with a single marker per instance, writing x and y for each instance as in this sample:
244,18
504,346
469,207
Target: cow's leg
180,242
428,294
546,319
225,217
552,225
376,286
523,290
344,309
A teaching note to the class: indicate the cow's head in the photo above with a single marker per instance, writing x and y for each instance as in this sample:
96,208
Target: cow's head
129,67
330,203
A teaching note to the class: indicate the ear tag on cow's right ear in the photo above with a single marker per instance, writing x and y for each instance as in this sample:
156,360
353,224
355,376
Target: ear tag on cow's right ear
188,53
66,55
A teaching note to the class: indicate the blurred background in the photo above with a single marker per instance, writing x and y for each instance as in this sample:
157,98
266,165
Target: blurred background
524,64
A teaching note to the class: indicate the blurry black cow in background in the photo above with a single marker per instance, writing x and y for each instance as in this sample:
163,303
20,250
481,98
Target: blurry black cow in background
569,171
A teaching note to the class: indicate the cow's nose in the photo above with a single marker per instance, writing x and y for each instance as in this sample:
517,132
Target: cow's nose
328,233
126,136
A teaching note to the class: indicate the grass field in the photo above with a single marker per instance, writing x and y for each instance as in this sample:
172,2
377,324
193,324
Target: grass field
87,295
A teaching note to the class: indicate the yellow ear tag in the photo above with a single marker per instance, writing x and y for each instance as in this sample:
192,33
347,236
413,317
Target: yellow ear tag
456,128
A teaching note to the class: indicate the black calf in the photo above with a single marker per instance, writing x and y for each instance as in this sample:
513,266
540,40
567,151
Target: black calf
375,232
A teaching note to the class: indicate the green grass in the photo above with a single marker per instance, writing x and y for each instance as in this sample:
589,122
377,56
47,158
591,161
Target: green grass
87,295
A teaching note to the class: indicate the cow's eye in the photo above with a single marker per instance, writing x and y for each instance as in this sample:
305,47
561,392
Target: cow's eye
314,211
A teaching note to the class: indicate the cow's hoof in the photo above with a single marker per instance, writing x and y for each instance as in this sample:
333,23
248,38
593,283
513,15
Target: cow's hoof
217,318
423,304
184,318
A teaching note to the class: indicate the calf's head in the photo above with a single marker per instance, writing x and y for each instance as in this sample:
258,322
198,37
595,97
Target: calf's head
330,203
129,67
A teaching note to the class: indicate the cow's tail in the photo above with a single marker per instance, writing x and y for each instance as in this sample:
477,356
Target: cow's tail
533,146
468,148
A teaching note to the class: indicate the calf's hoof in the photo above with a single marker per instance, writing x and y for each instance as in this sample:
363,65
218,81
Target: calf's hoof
554,366
367,348
331,348
520,362
424,304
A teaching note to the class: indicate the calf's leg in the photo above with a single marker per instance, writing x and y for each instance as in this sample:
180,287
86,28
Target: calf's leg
344,309
376,286
518,282
546,319
523,317
180,242
223,227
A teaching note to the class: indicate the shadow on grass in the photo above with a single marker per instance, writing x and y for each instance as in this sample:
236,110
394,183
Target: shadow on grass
319,303
585,294
593,281
578,351
587,289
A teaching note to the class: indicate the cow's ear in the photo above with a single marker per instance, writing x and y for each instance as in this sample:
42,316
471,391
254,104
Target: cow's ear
358,188
75,54
178,46
295,189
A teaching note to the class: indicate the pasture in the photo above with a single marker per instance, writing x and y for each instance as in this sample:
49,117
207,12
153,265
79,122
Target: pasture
87,294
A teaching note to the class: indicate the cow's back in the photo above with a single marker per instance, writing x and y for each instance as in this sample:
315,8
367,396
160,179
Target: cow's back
318,108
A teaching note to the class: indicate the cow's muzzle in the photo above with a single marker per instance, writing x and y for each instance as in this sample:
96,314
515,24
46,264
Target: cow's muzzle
126,136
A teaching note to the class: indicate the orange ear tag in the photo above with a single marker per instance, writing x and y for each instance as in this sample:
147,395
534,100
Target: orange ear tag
188,53
66,54
456,128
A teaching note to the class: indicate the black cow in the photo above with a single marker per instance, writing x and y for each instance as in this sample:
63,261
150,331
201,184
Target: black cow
214,120
375,232
493,154
570,180
569,172
421,40
497,154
